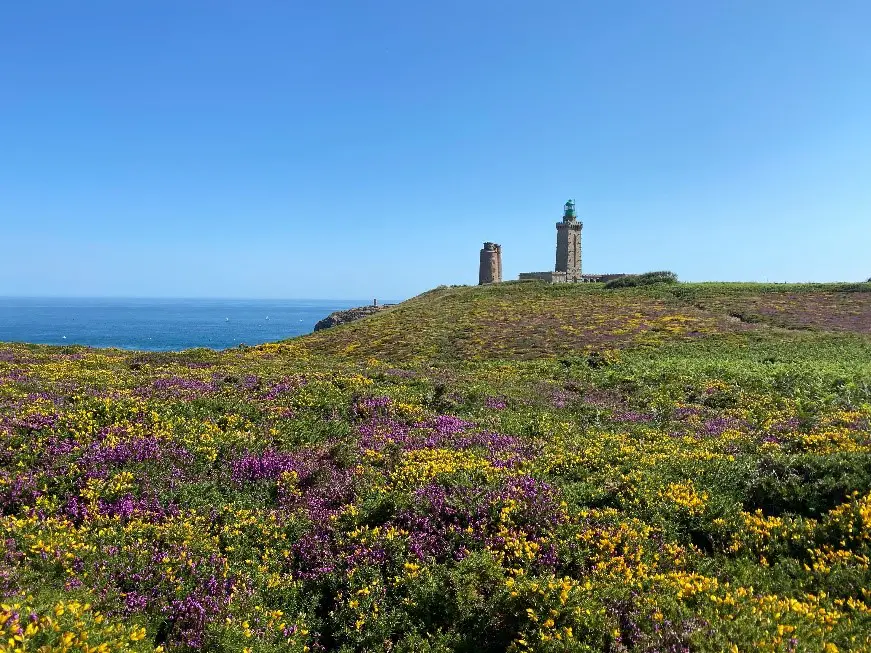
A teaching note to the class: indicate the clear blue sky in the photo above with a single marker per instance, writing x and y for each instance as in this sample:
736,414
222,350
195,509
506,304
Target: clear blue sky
345,149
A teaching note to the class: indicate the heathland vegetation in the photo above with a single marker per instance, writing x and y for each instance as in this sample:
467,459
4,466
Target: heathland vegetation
522,467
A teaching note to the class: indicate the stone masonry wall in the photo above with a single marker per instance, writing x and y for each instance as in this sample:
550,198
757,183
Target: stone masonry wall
490,270
568,249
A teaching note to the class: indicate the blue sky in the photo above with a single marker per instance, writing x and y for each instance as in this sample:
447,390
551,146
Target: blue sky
344,149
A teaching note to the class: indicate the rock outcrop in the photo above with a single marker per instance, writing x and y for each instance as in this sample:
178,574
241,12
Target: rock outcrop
349,315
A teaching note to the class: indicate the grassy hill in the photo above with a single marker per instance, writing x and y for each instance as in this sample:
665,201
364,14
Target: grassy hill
517,467
532,320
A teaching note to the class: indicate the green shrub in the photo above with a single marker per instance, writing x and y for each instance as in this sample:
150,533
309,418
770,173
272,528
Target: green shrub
646,279
629,281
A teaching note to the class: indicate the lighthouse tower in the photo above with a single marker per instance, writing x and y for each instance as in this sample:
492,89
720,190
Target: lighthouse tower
568,244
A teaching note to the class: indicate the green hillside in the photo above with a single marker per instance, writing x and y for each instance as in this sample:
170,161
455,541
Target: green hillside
533,320
517,467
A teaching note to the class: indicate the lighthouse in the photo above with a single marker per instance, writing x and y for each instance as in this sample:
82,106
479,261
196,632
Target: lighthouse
568,244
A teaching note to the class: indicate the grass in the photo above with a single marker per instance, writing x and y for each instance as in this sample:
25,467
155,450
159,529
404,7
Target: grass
516,320
523,320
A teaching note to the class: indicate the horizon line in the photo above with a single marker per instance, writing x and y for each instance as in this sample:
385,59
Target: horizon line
210,297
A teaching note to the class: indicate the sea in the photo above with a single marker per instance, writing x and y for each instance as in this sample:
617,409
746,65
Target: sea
161,324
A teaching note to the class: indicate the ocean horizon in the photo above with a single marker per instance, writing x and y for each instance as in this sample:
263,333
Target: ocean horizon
161,324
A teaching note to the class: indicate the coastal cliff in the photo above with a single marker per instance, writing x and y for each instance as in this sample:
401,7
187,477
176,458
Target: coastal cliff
349,315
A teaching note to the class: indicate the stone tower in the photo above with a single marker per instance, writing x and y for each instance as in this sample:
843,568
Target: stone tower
568,244
491,264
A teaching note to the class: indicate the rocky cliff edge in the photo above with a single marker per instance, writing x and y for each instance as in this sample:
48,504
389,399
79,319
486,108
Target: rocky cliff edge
342,317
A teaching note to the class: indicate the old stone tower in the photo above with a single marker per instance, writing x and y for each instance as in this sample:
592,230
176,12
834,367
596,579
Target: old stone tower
491,264
568,244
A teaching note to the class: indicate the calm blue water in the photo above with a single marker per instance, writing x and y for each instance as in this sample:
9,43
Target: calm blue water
160,324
